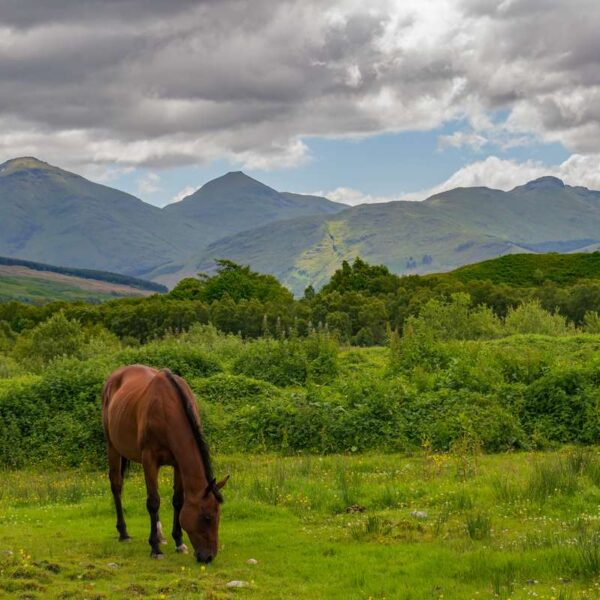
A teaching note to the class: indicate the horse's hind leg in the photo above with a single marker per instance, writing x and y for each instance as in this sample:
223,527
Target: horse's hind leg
115,473
177,504
152,501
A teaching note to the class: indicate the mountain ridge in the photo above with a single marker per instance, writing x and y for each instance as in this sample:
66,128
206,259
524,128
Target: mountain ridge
51,215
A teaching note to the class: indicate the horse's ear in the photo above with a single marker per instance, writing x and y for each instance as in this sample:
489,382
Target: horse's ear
210,487
221,484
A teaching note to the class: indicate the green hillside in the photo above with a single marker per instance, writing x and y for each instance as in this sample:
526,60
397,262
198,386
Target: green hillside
451,229
53,216
235,202
37,283
530,270
50,215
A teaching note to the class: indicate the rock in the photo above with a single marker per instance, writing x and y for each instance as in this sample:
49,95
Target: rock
419,514
112,565
355,508
252,561
236,583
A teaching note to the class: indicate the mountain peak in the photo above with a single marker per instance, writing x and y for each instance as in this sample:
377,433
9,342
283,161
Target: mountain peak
24,163
234,178
548,182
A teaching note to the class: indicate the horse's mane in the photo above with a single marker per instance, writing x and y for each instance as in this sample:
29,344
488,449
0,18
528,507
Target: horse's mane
187,404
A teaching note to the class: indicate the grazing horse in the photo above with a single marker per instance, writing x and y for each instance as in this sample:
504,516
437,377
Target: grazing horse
151,417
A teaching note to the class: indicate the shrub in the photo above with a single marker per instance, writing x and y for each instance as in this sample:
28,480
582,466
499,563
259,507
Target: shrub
56,337
54,418
530,317
289,362
560,406
455,320
232,390
591,322
183,359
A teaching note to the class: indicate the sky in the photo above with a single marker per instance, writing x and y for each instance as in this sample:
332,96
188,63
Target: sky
359,101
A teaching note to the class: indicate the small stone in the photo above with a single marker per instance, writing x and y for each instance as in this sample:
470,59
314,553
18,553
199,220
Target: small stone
419,514
355,508
252,561
236,583
112,565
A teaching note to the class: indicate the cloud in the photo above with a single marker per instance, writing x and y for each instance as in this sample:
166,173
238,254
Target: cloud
503,174
188,190
157,84
354,197
459,139
148,183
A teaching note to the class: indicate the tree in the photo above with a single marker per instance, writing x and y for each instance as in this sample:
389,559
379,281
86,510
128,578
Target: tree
236,281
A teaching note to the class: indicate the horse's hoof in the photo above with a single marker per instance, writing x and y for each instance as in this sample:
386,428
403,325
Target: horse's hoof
159,530
125,539
157,555
183,549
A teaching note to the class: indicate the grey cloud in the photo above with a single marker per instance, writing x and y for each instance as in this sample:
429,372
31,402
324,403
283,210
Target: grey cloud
162,83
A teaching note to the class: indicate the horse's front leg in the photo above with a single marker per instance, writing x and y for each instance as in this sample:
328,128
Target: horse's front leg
150,465
177,504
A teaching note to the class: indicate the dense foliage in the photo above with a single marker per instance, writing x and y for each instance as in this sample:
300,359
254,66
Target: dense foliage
458,375
478,364
360,304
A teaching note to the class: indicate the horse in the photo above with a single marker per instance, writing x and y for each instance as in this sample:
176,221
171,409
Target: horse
150,417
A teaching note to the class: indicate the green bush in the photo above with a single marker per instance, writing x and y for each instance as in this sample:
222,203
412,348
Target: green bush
232,390
183,359
562,406
56,337
530,317
54,418
289,362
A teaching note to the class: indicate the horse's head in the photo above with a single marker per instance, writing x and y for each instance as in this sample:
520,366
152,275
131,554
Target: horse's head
199,517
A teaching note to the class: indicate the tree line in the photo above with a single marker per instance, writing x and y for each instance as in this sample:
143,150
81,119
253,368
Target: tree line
361,305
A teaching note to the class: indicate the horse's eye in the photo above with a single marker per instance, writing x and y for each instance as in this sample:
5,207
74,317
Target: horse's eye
206,519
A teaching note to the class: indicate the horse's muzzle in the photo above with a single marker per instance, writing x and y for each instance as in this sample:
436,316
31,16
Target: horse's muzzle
204,557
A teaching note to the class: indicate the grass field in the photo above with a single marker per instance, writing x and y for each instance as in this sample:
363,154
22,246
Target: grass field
39,287
458,525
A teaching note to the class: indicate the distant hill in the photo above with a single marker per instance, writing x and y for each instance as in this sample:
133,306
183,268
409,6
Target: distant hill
50,215
53,216
529,270
37,283
235,202
458,227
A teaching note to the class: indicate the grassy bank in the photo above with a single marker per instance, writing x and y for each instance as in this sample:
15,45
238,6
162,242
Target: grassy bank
432,525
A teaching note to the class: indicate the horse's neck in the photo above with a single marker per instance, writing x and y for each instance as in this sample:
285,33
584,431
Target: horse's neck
190,465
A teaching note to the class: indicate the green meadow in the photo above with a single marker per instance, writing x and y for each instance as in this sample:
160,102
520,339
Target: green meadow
429,525
459,458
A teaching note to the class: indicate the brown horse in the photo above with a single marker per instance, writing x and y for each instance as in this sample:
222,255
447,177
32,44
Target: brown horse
150,417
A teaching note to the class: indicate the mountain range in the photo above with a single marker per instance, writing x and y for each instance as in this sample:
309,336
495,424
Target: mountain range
50,215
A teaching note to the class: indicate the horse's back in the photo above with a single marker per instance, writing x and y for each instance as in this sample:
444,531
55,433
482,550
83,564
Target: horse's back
127,401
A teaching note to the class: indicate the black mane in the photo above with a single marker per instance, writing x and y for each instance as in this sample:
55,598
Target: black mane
186,402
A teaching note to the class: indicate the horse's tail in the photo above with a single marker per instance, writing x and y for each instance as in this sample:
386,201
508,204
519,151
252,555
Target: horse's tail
187,403
106,394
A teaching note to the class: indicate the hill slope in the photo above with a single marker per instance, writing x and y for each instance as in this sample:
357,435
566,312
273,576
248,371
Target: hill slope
37,283
529,270
448,230
235,202
51,215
